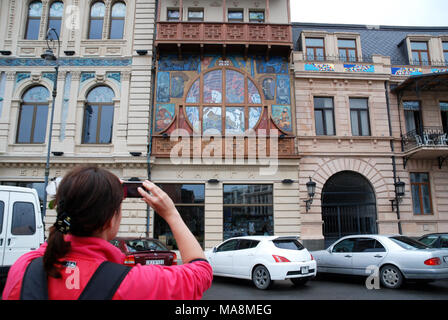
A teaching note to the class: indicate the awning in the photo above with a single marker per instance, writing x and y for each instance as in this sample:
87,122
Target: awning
424,82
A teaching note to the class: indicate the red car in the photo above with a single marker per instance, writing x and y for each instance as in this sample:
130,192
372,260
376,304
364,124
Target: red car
144,251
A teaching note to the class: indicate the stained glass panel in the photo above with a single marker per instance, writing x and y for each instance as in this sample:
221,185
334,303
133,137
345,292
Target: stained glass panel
213,87
235,120
193,94
253,93
193,117
57,9
254,116
212,120
35,9
234,87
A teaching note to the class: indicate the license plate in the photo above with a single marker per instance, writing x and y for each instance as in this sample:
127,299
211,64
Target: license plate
304,270
155,261
446,259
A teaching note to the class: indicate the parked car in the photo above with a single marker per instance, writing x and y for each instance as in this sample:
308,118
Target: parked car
397,257
145,251
263,259
21,226
435,240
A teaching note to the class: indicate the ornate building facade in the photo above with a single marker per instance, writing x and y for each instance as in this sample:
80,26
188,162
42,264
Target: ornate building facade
102,104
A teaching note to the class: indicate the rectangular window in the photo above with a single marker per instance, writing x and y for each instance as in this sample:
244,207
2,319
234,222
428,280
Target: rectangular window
324,116
173,14
421,193
235,15
412,117
347,50
32,124
359,116
196,14
248,210
445,51
420,52
98,123
189,200
315,49
256,16
444,113
23,219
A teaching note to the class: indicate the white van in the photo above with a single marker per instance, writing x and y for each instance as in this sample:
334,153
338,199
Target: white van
21,226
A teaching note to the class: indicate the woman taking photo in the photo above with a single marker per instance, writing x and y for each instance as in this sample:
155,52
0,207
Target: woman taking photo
78,262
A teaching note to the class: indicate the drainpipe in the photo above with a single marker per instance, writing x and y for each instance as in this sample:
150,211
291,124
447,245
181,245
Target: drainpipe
152,95
394,166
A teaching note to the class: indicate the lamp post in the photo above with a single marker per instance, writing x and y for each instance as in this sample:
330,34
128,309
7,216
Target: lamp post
50,56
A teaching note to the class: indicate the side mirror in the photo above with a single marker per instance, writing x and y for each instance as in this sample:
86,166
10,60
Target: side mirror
215,249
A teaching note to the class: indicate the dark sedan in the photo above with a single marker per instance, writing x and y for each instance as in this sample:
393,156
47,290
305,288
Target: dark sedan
145,251
435,240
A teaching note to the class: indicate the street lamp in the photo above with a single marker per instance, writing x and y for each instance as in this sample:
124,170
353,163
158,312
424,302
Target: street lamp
50,56
311,189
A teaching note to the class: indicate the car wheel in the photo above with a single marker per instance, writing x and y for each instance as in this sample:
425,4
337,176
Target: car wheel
299,281
261,278
391,277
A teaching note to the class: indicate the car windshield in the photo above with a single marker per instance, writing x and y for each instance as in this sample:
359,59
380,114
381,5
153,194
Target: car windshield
289,244
144,245
408,243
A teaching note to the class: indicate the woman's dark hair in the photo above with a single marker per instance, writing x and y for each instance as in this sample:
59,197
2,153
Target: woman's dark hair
89,197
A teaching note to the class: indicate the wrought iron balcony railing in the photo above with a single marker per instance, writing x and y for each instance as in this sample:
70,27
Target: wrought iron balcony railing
429,136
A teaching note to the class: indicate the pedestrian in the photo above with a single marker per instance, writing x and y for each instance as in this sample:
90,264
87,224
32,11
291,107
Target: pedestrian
88,216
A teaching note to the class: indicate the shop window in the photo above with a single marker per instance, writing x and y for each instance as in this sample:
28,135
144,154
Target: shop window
98,116
359,117
420,52
324,116
248,210
315,50
189,200
421,193
117,20
32,126
97,14
55,18
444,113
33,20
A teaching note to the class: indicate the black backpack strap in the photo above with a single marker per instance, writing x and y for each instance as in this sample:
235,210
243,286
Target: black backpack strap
105,281
34,283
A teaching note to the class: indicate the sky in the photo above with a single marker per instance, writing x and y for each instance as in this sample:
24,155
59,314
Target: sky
375,12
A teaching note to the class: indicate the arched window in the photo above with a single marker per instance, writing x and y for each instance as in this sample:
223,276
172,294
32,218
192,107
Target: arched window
55,17
232,108
117,19
97,13
33,116
33,20
98,116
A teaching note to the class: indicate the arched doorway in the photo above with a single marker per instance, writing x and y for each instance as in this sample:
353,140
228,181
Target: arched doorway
348,206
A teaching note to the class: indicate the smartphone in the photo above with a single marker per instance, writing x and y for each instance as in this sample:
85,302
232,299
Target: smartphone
130,189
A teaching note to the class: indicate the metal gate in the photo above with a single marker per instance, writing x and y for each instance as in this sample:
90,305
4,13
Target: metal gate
348,207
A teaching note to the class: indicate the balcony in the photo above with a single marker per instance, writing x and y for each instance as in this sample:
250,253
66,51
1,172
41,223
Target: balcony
429,143
237,35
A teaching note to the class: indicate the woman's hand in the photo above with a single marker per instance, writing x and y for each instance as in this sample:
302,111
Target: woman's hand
158,200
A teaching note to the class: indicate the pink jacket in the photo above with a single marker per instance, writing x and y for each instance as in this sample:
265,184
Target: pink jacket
151,282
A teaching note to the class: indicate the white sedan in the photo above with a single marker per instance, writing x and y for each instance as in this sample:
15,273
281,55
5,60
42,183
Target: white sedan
263,259
396,258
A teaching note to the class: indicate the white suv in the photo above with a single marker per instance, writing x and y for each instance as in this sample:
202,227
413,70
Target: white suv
263,259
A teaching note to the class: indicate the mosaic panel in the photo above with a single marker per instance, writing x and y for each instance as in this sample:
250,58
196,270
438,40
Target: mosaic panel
359,68
281,115
405,71
319,67
164,116
283,90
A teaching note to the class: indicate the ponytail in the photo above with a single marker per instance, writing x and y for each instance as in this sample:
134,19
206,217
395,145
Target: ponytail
57,248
